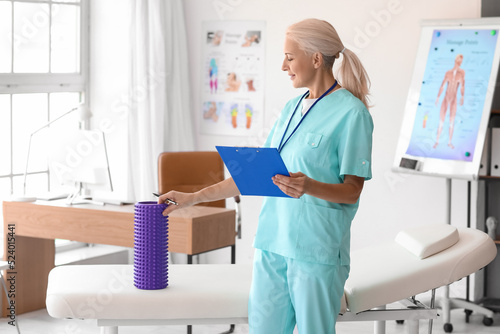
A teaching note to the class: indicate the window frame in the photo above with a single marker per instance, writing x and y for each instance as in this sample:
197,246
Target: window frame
13,83
48,83
25,83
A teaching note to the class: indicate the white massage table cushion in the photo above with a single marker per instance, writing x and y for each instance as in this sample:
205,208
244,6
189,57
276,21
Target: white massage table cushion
424,241
107,292
379,275
387,273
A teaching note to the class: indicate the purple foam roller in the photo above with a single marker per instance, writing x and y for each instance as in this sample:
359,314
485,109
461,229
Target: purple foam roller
150,246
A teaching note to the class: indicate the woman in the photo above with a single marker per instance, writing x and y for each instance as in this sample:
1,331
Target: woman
324,136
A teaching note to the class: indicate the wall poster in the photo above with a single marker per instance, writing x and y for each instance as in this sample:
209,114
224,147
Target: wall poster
453,92
450,97
232,93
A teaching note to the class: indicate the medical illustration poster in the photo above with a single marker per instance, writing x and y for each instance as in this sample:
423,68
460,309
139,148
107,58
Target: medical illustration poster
232,77
453,93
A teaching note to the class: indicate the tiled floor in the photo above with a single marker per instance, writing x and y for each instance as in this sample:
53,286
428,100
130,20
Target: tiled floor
39,322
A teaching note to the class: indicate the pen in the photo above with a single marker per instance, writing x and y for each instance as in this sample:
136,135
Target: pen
168,200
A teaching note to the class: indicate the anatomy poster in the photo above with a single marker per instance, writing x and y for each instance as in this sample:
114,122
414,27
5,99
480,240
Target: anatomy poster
232,77
453,93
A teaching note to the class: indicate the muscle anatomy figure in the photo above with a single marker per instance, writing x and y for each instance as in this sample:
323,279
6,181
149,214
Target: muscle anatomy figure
454,78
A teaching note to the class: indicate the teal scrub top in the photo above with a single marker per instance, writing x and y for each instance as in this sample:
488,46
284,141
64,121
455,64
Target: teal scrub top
335,139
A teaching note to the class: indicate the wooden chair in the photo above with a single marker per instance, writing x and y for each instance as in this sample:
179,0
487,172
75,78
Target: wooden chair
191,171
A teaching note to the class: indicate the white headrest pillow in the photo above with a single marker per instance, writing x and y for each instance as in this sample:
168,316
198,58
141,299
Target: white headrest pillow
424,241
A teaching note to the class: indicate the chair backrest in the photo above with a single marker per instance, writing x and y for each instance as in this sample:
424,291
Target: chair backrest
190,172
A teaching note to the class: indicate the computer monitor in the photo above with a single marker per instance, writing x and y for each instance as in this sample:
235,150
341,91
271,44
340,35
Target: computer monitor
80,159
450,98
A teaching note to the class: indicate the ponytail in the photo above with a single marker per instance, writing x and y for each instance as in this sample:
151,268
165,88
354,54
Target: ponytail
315,35
353,77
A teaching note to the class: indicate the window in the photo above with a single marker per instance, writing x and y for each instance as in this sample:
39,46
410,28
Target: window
43,73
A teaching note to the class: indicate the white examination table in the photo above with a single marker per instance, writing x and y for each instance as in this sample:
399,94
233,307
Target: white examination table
218,294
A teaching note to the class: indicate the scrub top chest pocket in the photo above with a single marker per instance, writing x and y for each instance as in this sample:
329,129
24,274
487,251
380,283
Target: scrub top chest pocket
313,140
310,148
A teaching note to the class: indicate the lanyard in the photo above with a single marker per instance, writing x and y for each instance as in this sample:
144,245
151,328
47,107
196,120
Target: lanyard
281,145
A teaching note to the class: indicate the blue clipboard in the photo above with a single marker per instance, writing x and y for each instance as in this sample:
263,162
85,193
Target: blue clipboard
252,169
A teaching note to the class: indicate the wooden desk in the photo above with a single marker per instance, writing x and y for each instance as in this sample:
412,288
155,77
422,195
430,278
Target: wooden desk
192,231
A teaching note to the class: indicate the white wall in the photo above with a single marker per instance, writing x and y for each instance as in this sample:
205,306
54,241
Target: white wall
389,202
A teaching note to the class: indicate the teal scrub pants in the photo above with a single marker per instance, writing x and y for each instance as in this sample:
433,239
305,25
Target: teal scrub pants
286,292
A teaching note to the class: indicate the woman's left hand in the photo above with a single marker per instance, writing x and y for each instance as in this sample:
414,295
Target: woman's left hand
294,185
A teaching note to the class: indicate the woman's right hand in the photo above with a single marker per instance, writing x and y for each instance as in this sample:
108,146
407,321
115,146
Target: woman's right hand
183,200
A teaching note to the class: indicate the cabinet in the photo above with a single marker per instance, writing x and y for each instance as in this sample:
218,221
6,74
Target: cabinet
488,204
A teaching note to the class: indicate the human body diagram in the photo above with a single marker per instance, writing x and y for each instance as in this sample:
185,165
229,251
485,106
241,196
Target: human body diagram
454,79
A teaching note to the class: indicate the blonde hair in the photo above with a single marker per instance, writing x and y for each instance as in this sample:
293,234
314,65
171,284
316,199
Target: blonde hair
313,35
